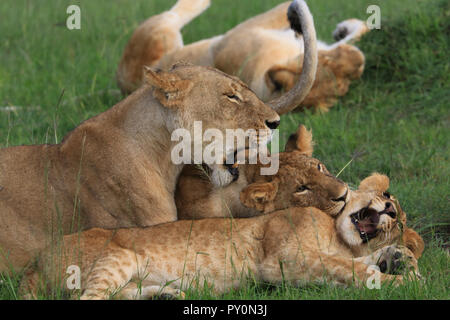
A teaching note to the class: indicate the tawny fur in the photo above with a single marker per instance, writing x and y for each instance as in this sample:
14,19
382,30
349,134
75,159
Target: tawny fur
157,36
115,170
267,55
197,198
296,245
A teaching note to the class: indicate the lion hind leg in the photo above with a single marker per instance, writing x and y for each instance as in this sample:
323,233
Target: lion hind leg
187,10
349,31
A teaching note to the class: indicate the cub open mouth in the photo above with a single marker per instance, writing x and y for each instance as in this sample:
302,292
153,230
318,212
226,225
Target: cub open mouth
366,222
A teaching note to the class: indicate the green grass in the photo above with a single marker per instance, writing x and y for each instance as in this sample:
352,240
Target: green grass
397,115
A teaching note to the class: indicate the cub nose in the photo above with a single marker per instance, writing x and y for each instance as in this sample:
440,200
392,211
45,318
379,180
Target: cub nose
272,124
390,210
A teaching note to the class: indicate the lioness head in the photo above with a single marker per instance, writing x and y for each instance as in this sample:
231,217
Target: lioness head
301,181
221,102
373,219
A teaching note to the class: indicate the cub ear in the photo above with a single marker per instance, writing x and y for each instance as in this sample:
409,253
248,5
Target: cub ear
375,182
169,88
260,195
413,241
301,141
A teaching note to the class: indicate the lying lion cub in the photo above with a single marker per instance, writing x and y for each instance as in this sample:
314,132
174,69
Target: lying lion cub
307,179
115,170
158,42
297,245
262,51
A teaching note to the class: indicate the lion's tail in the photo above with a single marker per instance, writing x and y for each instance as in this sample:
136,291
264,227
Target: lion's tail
187,10
301,21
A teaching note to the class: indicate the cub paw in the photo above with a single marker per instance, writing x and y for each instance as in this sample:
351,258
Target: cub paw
171,295
397,260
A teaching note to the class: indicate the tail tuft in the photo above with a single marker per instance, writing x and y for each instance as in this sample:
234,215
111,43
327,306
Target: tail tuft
294,13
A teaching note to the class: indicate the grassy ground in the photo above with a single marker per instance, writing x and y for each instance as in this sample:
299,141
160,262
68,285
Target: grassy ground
397,115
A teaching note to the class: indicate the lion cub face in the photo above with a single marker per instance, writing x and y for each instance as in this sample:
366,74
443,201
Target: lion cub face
373,219
302,181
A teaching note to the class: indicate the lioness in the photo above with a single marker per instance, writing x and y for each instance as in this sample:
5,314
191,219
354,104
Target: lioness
296,245
262,51
309,182
115,170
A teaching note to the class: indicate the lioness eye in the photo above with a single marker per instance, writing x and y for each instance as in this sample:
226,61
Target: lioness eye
319,166
233,97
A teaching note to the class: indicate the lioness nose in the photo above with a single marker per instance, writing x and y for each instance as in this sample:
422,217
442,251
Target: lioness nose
273,124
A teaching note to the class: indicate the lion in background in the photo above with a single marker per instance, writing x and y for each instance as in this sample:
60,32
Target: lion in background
263,52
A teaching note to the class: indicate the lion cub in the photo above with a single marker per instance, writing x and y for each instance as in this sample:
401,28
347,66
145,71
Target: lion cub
298,245
305,182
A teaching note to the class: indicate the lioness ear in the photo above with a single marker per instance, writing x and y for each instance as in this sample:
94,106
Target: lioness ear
301,141
260,195
375,182
413,241
169,88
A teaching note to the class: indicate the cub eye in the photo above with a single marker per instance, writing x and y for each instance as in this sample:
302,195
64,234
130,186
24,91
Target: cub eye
320,167
233,97
387,195
302,189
